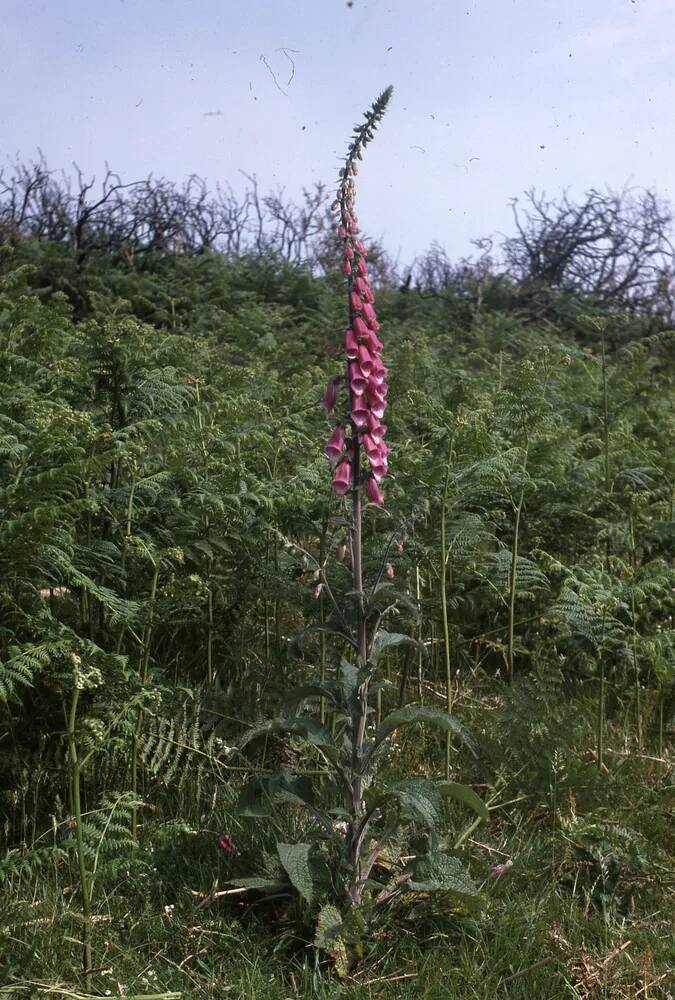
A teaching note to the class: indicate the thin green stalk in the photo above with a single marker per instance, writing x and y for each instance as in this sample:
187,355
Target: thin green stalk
513,583
605,428
601,717
600,733
636,668
420,653
145,667
209,639
79,840
444,602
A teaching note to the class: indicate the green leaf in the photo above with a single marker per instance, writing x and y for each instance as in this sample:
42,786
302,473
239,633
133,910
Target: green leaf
328,927
385,640
328,937
295,645
259,882
437,872
295,698
421,713
307,728
251,800
419,797
257,795
295,859
464,794
296,790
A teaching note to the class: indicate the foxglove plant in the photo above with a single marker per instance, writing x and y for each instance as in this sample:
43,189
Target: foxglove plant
352,834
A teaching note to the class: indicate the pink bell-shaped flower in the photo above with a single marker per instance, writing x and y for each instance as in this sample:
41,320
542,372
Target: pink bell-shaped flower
379,373
355,302
365,361
360,329
364,289
376,403
376,429
373,492
359,412
330,397
335,445
346,267
342,480
357,380
351,345
362,267
370,445
379,470
368,313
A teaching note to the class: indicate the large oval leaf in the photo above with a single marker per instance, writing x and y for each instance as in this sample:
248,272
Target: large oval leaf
437,872
421,713
295,859
453,790
307,728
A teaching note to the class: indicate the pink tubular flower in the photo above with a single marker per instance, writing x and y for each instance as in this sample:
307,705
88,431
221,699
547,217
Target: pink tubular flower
365,361
370,445
355,302
360,329
342,480
389,571
358,382
346,268
379,470
360,412
376,403
351,345
227,843
368,313
361,266
330,397
364,289
373,492
378,374
335,445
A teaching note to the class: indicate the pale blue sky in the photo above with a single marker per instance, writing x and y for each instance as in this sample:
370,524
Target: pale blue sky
491,96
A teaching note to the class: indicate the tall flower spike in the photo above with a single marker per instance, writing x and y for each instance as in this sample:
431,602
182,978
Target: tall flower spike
360,457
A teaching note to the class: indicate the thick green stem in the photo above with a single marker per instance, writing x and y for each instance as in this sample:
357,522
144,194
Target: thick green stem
79,840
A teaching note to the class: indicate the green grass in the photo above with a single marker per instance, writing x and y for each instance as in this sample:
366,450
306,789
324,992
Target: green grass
585,910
